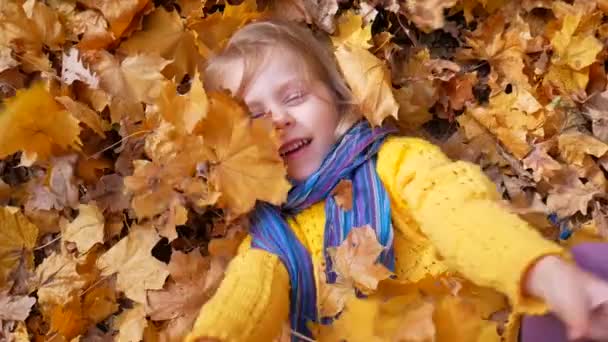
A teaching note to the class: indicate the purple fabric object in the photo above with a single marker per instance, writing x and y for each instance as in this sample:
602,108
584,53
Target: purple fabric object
593,257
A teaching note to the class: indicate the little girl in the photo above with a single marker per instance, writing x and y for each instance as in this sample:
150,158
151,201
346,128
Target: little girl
434,217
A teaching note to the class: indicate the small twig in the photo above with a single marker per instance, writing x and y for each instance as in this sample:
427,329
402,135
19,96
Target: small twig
297,334
48,243
95,284
96,154
407,32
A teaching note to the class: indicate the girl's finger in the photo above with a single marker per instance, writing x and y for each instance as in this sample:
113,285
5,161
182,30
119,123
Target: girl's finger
598,328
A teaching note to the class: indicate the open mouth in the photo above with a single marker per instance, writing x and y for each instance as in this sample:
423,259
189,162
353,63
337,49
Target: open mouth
293,147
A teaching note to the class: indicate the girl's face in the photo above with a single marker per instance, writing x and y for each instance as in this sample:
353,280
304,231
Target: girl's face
304,111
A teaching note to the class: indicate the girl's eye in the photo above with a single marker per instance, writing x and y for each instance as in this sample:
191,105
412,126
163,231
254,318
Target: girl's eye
256,115
295,98
257,112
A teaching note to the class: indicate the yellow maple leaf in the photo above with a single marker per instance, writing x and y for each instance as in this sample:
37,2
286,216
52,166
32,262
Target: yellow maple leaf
17,239
143,74
131,259
369,79
214,31
183,111
84,114
367,76
355,260
511,117
33,122
245,165
130,324
576,51
574,146
352,32
164,34
87,228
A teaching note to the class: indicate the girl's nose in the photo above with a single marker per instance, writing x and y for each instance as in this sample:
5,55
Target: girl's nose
281,118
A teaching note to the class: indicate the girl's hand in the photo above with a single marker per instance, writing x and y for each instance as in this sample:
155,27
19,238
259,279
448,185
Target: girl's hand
577,297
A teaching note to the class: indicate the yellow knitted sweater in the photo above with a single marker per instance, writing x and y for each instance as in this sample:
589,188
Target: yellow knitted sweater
448,222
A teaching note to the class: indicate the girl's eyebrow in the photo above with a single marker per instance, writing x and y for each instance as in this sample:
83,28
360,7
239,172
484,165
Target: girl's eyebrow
285,87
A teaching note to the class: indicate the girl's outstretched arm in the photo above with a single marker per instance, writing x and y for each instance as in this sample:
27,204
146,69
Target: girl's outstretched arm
251,304
459,210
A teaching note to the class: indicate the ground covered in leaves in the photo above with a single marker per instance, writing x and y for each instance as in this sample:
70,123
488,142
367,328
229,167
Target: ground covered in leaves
124,184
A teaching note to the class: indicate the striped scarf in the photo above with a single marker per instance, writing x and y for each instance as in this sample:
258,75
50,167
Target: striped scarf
353,158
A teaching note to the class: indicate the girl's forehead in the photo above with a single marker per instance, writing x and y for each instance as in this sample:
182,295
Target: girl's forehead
277,70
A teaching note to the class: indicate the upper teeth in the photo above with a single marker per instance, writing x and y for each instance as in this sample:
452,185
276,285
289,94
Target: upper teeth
293,146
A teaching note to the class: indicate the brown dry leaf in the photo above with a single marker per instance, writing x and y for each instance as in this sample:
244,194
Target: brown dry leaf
183,111
108,193
119,13
22,33
159,185
87,228
132,260
319,12
568,199
369,79
355,260
22,115
130,324
58,280
164,34
73,69
245,164
597,110
46,23
18,238
343,194
183,296
542,164
574,146
92,26
83,114
61,190
428,15
600,218
502,44
15,308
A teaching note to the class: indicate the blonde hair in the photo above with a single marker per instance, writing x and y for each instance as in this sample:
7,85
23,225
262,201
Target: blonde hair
256,42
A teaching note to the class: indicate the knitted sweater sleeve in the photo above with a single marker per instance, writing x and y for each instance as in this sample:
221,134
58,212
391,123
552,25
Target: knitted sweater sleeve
251,304
458,208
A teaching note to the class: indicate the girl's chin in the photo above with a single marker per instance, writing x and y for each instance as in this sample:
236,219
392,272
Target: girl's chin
299,174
